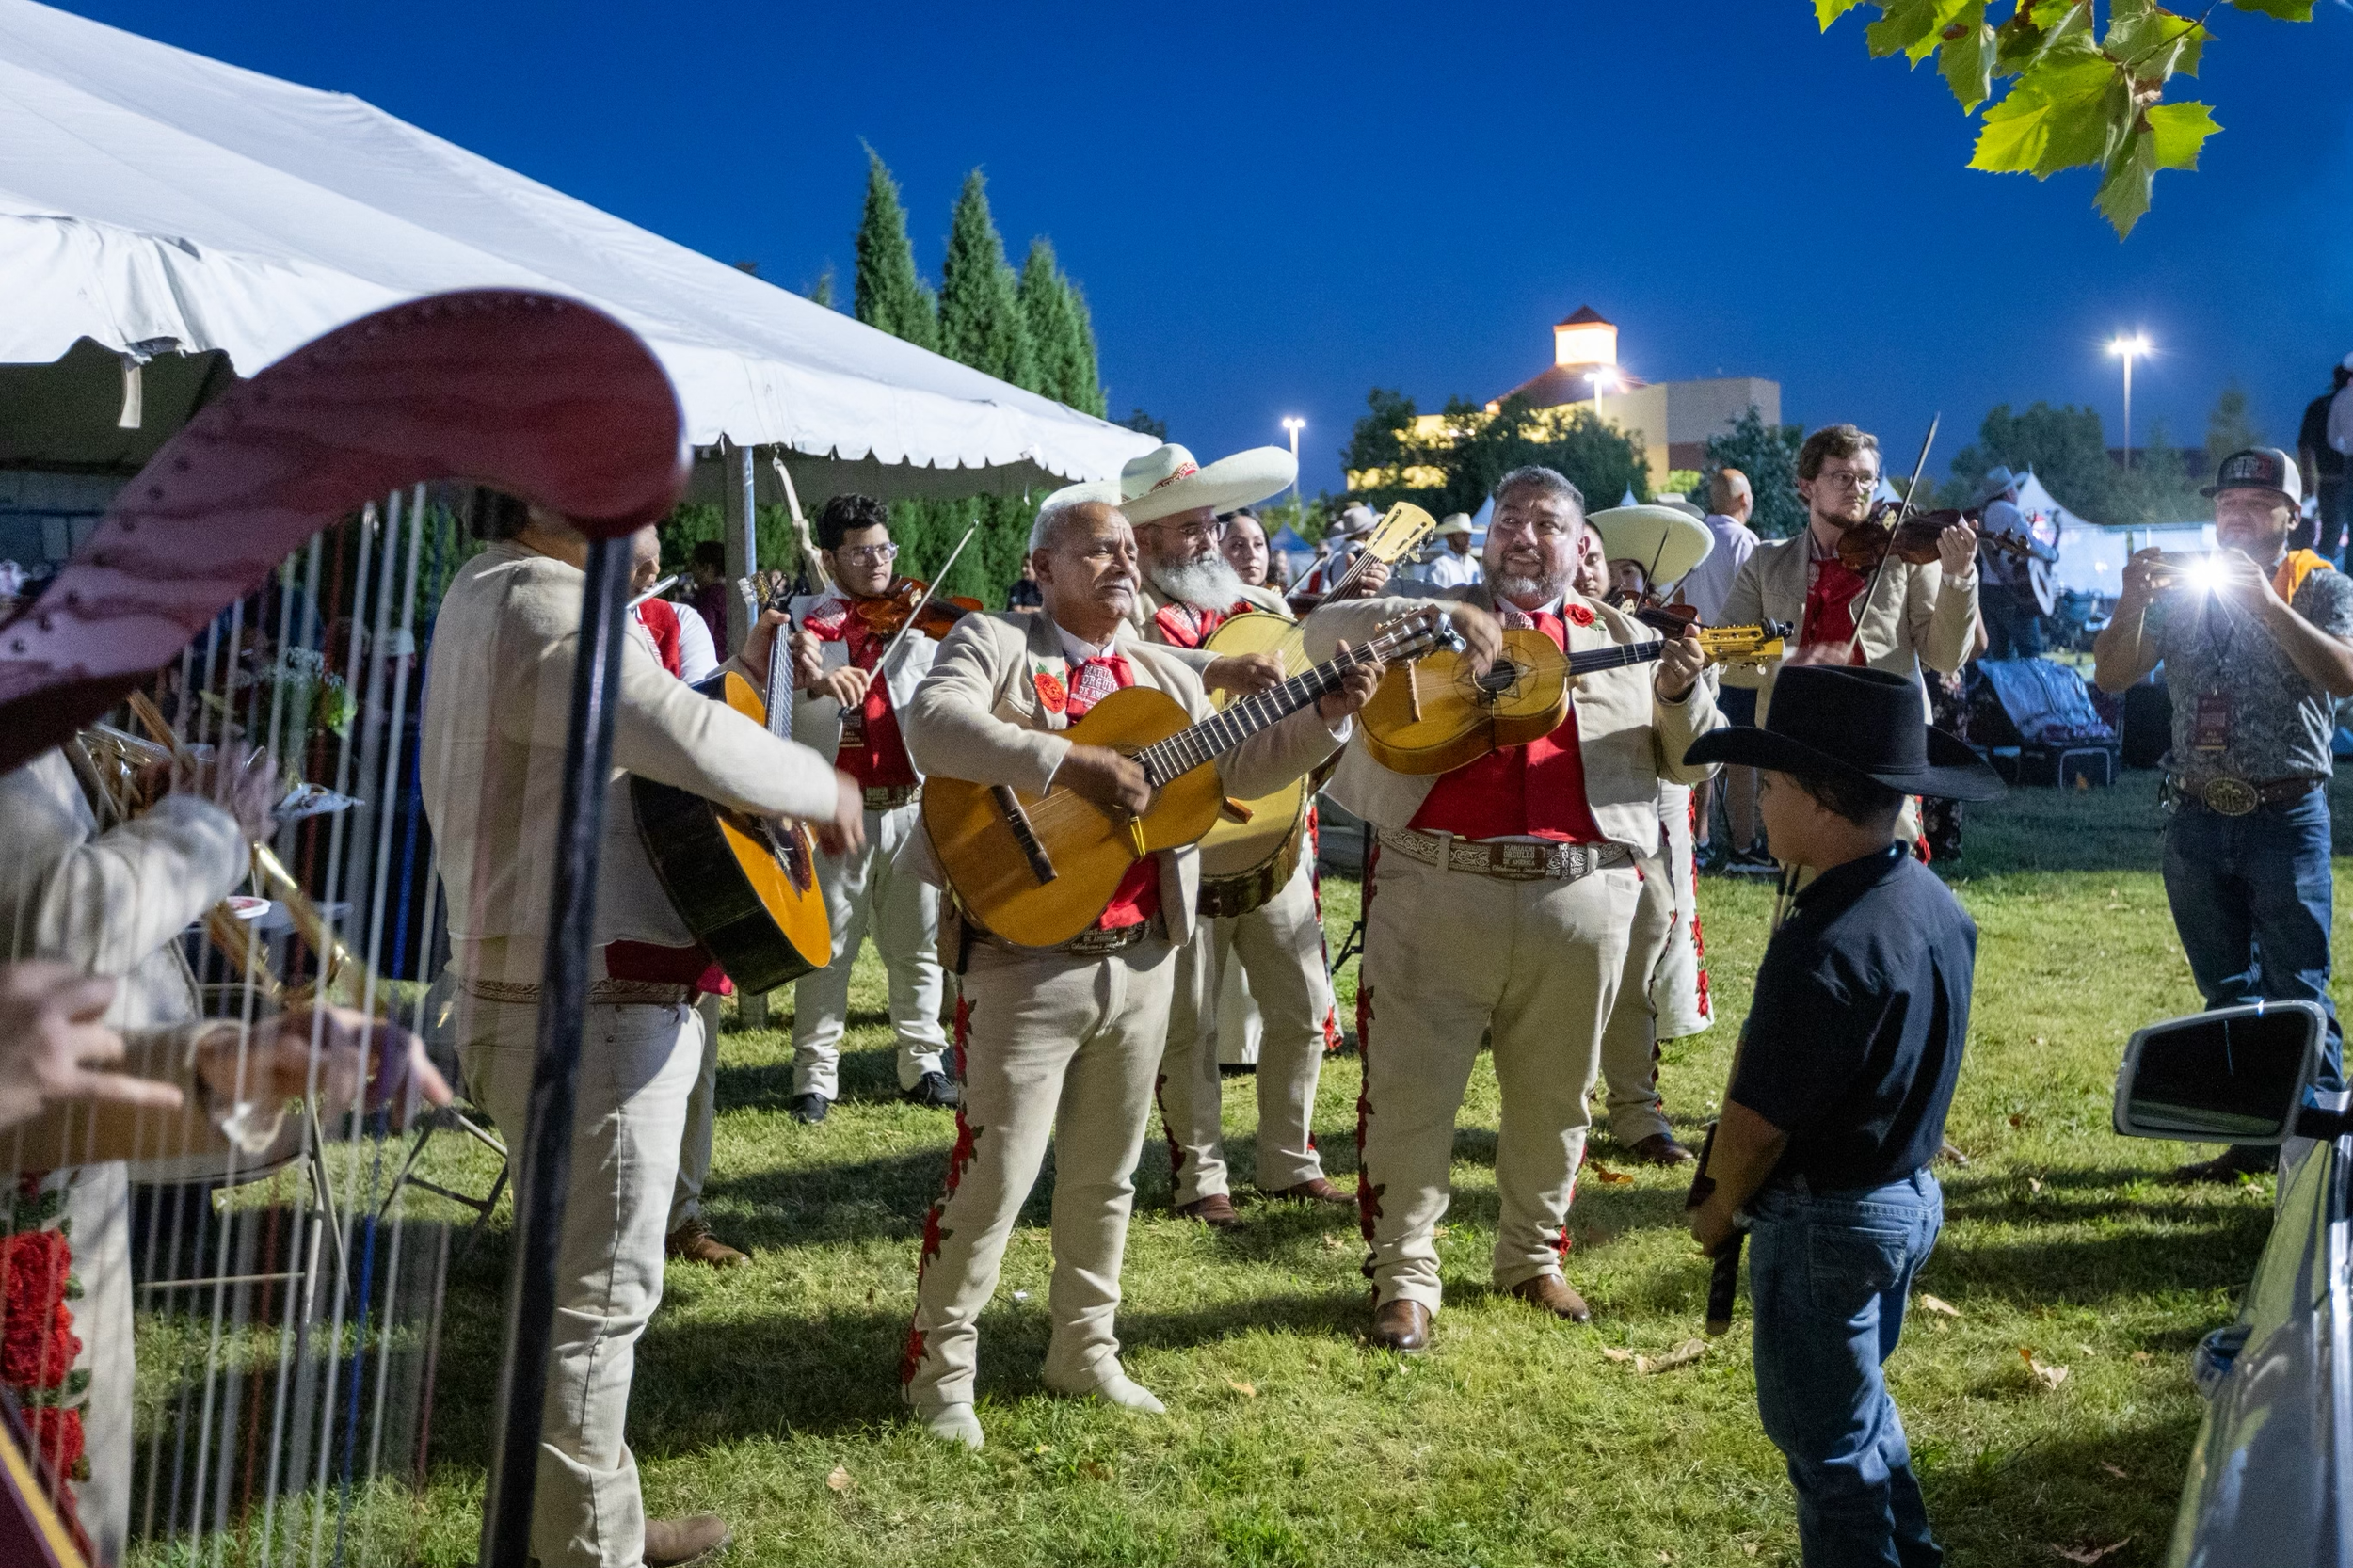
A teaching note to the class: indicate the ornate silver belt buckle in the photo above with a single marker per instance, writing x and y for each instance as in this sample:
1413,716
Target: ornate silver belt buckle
2230,797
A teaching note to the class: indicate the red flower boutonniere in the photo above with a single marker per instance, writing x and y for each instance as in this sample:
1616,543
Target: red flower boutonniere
1052,692
1578,614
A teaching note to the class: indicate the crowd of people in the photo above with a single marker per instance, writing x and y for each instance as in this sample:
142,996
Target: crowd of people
1563,869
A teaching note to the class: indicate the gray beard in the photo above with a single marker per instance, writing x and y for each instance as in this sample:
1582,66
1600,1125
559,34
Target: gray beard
1540,589
1206,584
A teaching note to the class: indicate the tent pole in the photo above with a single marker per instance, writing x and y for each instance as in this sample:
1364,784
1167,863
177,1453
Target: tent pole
742,545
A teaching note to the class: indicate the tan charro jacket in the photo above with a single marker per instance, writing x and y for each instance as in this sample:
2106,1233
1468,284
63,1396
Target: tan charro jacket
1915,614
497,710
1628,739
978,716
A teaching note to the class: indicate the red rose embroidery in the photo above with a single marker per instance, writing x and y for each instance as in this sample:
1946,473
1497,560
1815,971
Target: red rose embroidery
1052,692
57,1432
1578,613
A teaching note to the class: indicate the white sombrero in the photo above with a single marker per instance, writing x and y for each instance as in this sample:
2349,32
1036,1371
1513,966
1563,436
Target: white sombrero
1166,481
1664,542
1105,490
1456,522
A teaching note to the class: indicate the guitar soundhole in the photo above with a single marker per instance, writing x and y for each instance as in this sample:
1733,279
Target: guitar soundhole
792,855
1501,677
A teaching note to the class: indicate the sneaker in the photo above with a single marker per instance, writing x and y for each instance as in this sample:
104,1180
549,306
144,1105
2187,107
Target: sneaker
1752,861
934,1089
809,1108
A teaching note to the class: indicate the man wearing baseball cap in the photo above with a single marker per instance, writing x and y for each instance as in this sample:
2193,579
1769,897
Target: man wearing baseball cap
2254,644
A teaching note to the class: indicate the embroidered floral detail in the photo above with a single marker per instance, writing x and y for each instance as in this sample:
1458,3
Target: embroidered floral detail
1052,692
1578,614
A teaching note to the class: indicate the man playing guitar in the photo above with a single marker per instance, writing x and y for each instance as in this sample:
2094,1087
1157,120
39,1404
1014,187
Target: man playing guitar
840,710
1501,899
1062,1042
492,773
1189,589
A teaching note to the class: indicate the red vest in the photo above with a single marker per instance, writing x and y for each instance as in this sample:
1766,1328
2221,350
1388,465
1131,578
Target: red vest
1532,790
872,750
1137,898
659,617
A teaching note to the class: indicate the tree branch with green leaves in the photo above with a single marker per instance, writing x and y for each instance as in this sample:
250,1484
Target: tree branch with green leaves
2058,97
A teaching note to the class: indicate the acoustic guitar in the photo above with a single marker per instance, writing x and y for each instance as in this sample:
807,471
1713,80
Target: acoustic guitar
1039,869
1248,856
1436,716
745,886
1400,530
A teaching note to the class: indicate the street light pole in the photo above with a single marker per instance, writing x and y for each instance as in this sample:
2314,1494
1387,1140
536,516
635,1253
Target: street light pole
1600,379
1295,427
2127,347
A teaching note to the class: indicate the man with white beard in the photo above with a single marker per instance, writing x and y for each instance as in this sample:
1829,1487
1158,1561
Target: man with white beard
1189,591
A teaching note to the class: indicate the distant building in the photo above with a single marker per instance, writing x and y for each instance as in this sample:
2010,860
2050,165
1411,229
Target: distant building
1672,419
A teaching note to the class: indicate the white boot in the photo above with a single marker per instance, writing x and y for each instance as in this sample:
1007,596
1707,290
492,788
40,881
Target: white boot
953,1423
1120,1389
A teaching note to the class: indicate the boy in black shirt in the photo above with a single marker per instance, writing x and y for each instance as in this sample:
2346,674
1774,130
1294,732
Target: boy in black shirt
1839,1089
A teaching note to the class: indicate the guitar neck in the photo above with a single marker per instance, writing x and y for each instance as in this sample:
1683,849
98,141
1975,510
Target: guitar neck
1213,737
1614,658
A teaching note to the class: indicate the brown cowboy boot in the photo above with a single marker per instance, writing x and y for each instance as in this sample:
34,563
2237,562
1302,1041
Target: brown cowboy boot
1402,1326
1552,1293
693,1241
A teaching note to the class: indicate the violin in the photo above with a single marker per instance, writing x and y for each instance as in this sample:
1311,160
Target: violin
1433,716
1913,537
887,613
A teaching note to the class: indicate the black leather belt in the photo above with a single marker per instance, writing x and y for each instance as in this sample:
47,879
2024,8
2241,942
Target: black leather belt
2234,797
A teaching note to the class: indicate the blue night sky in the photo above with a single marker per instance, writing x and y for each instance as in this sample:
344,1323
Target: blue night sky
1274,208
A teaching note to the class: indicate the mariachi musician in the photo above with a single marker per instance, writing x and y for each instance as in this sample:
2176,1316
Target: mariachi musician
1189,589
840,710
1501,898
1062,1042
1663,994
496,703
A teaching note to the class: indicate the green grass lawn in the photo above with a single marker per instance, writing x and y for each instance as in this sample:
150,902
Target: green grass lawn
769,1393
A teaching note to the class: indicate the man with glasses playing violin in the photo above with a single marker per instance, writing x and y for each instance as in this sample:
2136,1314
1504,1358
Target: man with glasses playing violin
1189,589
2255,641
840,710
1501,900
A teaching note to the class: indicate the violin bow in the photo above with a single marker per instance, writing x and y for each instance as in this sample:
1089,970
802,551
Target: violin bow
1912,489
815,562
882,661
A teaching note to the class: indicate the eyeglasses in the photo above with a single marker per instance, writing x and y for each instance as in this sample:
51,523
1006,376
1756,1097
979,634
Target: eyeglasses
1544,528
1849,479
1193,533
866,554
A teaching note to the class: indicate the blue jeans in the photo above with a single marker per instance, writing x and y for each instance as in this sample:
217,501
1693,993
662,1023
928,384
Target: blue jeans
2252,901
1828,1275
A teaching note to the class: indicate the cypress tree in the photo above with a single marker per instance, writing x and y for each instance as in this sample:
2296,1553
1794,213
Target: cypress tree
981,321
1087,379
889,293
1060,332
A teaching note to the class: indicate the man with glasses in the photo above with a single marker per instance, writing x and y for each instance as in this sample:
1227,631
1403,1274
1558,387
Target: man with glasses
1189,589
1898,619
842,710
1499,902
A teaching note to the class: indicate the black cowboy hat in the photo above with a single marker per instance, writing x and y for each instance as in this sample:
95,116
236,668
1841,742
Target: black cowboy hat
1828,718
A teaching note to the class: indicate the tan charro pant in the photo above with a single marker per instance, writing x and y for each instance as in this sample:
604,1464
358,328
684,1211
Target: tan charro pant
1280,944
866,890
1055,1048
1451,957
638,1068
1629,1042
703,1115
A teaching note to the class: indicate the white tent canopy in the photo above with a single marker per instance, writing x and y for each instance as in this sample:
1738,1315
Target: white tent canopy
157,201
2091,558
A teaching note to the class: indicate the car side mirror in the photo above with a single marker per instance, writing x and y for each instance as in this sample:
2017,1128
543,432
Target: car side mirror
2235,1075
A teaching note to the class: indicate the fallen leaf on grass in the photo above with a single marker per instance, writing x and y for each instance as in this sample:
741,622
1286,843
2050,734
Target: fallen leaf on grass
1333,1243
1937,1304
1604,1174
2089,1555
1094,1469
2140,1355
839,1479
1682,1355
1665,1557
2115,1470
1616,1354
2051,1376
1248,1391
2018,1120
2034,1185
1748,1548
